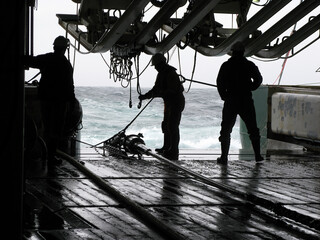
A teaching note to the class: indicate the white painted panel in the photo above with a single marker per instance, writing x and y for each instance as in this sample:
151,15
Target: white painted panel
296,115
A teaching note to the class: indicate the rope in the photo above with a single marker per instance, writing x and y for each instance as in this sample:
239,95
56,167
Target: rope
286,59
193,69
137,115
204,83
126,127
33,77
136,63
125,71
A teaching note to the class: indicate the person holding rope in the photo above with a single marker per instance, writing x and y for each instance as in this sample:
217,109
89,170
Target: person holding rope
56,93
236,79
168,87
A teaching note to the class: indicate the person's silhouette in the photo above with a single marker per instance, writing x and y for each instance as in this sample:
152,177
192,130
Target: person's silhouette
170,89
56,93
236,79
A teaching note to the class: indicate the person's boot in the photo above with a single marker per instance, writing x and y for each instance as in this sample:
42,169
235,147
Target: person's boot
171,154
166,144
225,145
256,148
52,160
166,139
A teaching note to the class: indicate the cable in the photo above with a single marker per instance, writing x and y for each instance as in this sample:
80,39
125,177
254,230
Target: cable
75,40
282,69
264,60
161,227
193,69
126,127
136,63
34,77
261,5
286,58
204,83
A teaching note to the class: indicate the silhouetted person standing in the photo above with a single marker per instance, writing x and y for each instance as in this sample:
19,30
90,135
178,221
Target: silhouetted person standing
56,93
236,79
170,89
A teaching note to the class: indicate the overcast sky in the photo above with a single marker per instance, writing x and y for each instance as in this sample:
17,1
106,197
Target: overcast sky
90,70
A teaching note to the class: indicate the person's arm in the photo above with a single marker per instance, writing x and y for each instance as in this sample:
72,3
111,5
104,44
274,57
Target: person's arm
152,93
221,85
35,61
256,77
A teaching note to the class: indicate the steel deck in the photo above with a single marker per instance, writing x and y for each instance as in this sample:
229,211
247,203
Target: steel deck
64,203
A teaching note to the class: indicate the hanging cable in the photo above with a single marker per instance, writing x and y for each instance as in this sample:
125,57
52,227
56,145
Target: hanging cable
120,69
105,61
143,69
172,53
282,69
193,69
285,60
75,40
137,64
179,61
130,97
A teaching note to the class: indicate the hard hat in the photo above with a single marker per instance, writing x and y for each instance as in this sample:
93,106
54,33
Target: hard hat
61,42
158,58
238,47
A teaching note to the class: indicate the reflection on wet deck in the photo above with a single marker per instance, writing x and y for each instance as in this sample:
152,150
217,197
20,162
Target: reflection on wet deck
63,203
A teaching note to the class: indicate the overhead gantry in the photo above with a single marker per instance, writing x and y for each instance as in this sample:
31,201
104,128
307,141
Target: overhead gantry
121,27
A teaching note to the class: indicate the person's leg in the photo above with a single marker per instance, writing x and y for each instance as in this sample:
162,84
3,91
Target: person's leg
46,109
57,122
229,116
174,119
166,137
248,115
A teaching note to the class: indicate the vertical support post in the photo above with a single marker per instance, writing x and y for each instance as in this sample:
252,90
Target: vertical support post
12,117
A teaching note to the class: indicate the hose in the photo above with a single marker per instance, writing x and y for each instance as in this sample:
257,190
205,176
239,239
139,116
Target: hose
146,217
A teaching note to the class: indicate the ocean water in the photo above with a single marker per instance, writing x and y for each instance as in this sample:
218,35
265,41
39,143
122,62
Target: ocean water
106,111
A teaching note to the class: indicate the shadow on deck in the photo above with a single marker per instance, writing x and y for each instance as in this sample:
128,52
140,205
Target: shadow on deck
63,203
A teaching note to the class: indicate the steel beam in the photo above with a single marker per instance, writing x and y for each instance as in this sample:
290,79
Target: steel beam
120,27
189,22
290,19
304,32
157,21
71,27
245,30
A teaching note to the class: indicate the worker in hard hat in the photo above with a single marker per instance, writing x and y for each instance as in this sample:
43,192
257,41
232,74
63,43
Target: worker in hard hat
168,87
56,93
237,78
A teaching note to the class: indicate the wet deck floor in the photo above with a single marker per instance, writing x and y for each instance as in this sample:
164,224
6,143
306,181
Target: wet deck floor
63,203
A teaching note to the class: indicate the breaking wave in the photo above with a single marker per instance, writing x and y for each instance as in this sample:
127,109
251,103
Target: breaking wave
106,111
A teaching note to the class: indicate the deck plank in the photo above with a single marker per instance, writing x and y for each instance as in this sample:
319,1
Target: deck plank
81,210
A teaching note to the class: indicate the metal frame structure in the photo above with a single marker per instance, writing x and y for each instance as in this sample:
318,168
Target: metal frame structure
129,35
